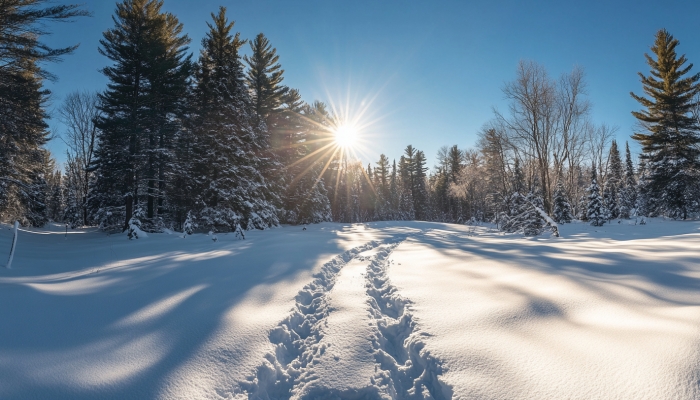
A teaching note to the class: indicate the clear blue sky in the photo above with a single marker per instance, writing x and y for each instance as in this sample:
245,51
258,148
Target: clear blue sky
434,69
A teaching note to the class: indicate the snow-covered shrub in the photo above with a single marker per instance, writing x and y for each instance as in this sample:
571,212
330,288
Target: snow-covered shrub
190,224
134,231
562,208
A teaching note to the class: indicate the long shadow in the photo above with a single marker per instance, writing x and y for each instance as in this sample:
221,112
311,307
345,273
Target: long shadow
553,256
84,321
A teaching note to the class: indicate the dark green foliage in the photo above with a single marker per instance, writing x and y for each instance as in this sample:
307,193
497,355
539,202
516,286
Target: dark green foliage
669,137
229,139
141,110
562,208
23,131
596,214
628,195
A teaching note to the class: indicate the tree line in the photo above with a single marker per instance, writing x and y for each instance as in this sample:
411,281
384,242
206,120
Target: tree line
218,142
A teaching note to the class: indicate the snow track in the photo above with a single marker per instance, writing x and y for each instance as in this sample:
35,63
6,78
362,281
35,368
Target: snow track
349,336
297,337
400,350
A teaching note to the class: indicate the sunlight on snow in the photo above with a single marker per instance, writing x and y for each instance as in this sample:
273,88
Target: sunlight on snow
158,308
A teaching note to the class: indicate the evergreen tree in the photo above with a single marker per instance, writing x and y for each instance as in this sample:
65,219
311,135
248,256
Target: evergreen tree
628,198
610,202
382,186
264,78
234,192
405,172
420,195
306,197
394,193
596,213
614,181
534,223
670,138
562,208
141,109
23,131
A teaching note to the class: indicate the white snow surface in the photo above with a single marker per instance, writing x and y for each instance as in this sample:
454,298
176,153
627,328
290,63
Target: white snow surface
390,310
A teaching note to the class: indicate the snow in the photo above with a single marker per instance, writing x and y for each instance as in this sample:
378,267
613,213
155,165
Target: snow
404,310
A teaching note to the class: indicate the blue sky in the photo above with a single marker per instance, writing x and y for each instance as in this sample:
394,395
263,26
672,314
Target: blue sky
430,73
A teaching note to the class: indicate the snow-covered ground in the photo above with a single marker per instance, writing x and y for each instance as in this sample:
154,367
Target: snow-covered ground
404,310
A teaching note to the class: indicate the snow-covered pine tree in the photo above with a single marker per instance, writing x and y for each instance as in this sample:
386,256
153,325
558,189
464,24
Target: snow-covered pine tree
134,231
420,194
595,212
562,208
306,197
670,137
406,203
628,198
190,224
382,186
229,143
141,111
534,222
609,202
614,181
23,131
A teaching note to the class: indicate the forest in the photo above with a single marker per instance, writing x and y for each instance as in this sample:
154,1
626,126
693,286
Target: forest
217,141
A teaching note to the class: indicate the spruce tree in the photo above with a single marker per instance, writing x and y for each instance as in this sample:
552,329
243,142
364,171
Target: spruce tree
420,194
628,202
670,136
394,193
141,110
23,131
614,181
562,208
306,197
264,78
382,186
234,192
595,213
534,223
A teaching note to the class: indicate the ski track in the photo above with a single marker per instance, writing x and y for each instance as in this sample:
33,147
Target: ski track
405,370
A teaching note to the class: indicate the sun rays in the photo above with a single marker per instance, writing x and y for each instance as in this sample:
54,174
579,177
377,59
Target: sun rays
338,139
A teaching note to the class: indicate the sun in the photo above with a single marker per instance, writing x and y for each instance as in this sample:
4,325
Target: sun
345,136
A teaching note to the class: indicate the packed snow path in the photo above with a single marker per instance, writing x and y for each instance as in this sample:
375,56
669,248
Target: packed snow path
410,310
349,337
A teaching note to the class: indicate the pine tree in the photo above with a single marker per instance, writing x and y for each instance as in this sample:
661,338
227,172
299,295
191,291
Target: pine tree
420,195
613,181
264,78
628,202
234,192
382,186
23,131
670,137
596,213
610,202
394,193
306,196
405,172
140,109
533,221
562,208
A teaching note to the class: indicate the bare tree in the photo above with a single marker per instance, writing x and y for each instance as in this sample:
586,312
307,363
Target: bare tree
78,113
573,126
599,142
533,119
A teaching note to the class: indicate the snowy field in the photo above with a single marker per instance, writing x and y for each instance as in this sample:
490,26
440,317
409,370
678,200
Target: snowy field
402,310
